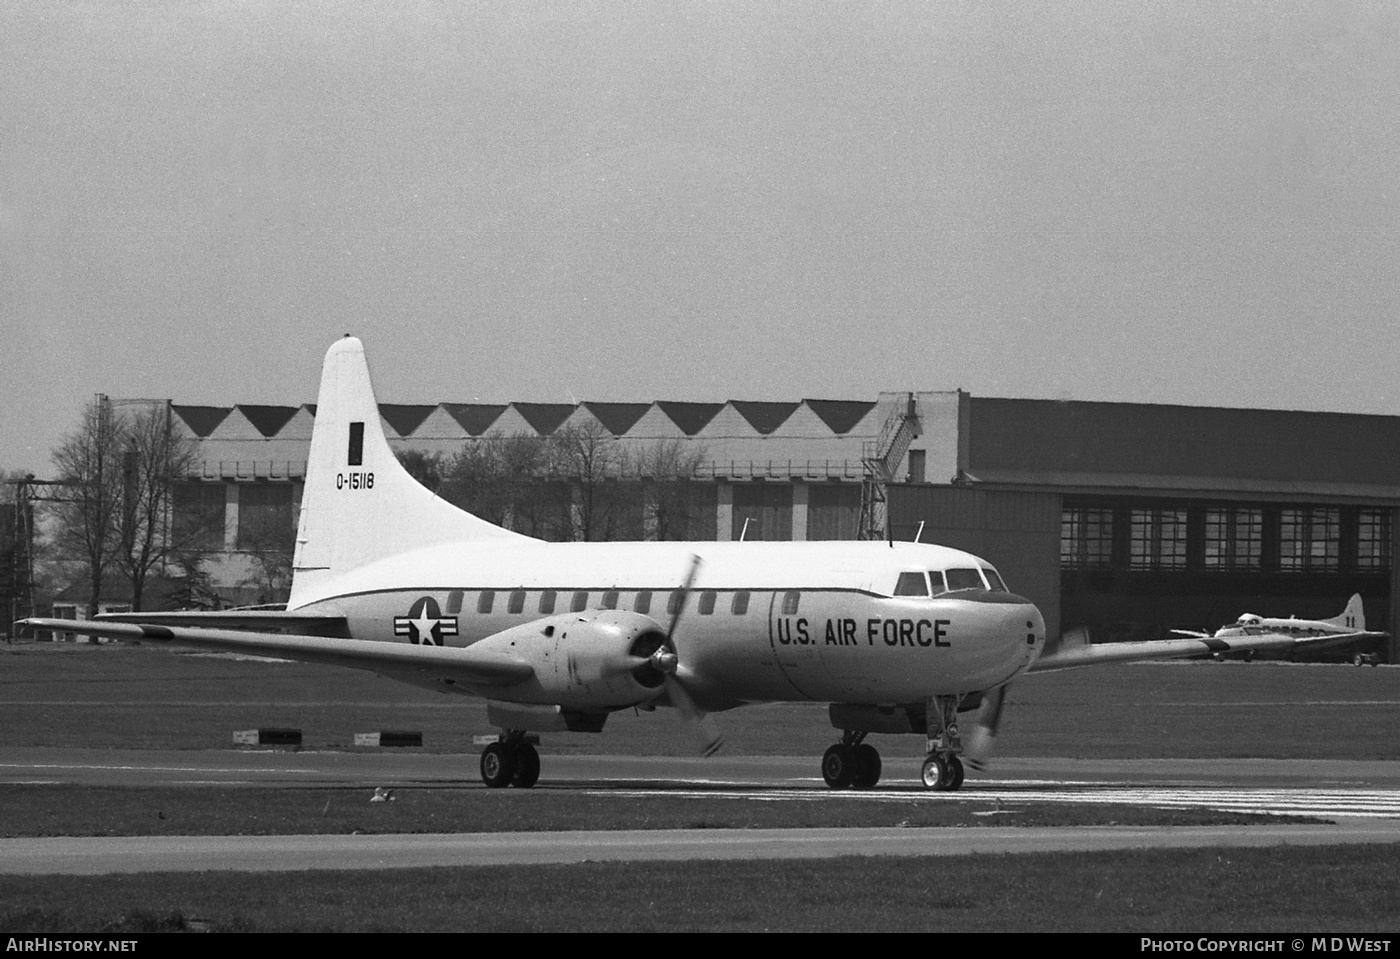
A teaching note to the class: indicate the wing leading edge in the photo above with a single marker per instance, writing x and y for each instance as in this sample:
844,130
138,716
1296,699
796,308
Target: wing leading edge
465,665
1074,648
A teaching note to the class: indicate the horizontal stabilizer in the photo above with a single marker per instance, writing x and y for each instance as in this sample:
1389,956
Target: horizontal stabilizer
466,665
308,623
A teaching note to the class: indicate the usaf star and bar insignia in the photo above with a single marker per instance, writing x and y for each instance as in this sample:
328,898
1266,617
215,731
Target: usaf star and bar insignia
425,625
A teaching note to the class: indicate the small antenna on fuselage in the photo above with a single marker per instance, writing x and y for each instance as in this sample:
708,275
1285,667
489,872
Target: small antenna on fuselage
745,531
920,532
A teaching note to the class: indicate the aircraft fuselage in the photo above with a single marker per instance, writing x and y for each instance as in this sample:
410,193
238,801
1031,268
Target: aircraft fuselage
762,622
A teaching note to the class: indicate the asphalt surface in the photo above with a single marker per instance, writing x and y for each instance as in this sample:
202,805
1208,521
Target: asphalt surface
1362,798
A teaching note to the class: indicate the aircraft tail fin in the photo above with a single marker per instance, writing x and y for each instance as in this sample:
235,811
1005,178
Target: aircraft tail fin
1353,618
359,504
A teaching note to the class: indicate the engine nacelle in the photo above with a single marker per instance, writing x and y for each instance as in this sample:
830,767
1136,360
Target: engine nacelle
595,660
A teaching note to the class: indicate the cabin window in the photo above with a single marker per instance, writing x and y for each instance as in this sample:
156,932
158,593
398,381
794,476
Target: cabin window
707,602
580,601
790,601
547,601
485,601
517,602
673,605
454,602
911,584
964,579
643,603
610,599
935,579
741,602
994,582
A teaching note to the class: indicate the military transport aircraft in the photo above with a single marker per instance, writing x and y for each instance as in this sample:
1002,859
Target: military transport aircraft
1349,627
896,637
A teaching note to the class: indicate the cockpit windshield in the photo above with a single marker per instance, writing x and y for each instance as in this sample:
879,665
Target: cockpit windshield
911,584
994,582
964,579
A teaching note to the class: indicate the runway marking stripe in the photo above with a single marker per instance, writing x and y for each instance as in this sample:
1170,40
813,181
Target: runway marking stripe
1338,802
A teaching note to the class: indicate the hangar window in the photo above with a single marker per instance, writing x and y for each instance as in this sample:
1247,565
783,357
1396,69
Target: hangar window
643,603
741,603
1233,538
610,599
1086,537
580,601
911,584
1309,539
790,600
485,601
1373,539
707,602
964,579
1157,539
547,599
935,579
517,602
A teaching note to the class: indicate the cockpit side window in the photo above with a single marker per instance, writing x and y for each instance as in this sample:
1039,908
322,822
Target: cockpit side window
964,579
994,582
911,584
935,578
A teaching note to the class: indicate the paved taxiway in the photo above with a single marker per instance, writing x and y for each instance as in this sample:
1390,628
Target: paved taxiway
1362,797
101,855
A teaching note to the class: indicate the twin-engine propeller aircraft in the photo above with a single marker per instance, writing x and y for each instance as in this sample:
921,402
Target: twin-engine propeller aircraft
1265,633
897,637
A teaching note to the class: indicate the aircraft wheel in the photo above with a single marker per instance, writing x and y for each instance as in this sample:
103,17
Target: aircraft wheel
955,773
867,763
934,772
497,766
838,766
527,767
943,773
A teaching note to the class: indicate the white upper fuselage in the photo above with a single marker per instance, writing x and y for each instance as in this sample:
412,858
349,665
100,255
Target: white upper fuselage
762,622
1252,625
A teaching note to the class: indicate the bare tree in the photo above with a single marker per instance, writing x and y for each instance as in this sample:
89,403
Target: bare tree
156,455
268,540
89,463
670,466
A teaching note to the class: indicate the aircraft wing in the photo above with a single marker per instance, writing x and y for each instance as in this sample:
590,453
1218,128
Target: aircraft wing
464,664
1074,648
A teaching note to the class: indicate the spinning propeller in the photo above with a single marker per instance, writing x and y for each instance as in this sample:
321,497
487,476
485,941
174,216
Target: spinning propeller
663,662
666,660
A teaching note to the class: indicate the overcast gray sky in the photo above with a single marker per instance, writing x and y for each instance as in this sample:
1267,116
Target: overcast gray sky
1185,202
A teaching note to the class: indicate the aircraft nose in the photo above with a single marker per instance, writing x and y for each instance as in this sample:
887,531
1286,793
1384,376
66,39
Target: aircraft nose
1024,622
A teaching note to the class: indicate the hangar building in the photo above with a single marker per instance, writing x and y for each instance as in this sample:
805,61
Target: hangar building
1129,519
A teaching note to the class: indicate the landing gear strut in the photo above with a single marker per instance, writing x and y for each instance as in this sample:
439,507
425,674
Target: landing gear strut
943,770
510,761
851,762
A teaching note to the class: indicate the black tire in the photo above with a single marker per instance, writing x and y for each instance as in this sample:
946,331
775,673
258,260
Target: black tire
955,773
497,766
527,767
838,766
867,761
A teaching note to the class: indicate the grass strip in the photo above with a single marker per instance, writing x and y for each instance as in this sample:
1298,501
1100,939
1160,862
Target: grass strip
1348,889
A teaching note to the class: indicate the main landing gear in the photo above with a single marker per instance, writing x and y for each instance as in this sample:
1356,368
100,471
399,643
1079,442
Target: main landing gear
851,763
512,760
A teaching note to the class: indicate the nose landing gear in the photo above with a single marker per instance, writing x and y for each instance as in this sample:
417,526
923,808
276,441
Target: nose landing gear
943,770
